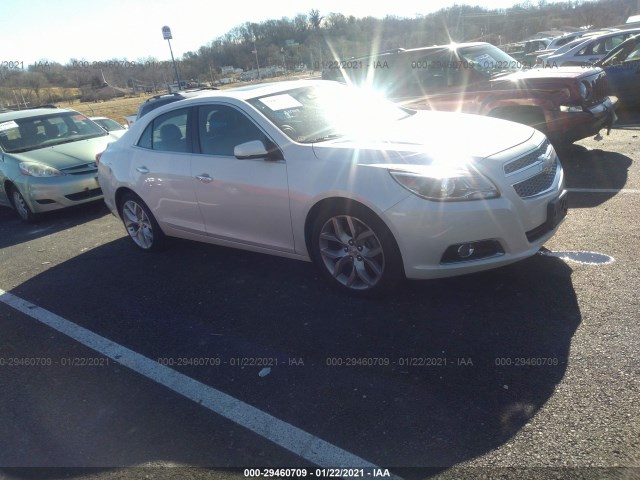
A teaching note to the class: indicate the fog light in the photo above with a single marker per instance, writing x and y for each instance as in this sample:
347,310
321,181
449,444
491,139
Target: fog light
465,250
470,251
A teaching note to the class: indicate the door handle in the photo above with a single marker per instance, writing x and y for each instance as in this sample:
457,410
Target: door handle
204,178
142,169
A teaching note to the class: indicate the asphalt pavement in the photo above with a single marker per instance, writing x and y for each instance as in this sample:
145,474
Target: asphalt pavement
120,362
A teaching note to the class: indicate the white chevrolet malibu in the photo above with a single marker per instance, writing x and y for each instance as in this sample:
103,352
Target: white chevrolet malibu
319,171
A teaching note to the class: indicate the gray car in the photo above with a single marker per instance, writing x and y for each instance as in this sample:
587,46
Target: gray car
47,160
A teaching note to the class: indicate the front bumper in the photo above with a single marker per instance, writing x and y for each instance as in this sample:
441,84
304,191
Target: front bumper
429,230
44,194
568,127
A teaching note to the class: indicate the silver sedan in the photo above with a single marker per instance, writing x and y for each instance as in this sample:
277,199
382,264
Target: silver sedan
318,171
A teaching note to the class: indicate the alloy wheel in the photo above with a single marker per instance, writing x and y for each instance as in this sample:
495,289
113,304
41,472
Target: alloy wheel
351,251
138,224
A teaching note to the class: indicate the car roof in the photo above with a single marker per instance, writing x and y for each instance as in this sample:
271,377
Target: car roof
610,34
433,48
179,94
30,112
260,89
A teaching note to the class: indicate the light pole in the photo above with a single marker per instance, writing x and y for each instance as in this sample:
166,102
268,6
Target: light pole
166,34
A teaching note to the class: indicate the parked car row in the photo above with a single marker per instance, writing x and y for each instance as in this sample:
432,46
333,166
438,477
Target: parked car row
566,104
593,48
563,44
621,64
588,52
533,48
370,190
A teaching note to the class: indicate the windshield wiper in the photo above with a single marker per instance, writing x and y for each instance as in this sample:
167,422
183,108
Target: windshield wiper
325,138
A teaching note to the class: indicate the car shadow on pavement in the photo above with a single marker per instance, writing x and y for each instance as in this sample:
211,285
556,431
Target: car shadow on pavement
594,169
14,231
436,374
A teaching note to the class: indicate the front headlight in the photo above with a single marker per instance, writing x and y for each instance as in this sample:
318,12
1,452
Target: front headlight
461,184
34,169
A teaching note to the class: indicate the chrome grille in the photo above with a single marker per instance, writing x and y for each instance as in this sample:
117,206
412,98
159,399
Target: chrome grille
528,160
597,86
539,183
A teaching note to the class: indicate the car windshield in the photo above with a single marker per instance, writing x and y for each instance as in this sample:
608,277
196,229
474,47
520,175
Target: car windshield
32,133
489,59
318,113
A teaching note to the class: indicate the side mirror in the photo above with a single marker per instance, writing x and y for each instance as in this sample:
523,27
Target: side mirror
250,150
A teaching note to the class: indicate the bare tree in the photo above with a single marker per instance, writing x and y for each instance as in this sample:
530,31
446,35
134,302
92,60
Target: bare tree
35,82
315,19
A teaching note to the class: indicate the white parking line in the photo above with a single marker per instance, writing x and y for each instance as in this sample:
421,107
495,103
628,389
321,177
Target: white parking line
603,190
297,441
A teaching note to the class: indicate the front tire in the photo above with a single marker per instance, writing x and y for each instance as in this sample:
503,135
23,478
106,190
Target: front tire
356,251
21,207
141,225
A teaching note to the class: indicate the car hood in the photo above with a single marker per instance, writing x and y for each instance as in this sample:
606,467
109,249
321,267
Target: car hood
546,74
67,154
430,135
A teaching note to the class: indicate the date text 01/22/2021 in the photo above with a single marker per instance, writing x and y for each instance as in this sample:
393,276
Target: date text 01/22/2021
317,473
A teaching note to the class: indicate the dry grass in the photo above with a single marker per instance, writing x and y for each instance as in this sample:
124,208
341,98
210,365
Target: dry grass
120,108
117,109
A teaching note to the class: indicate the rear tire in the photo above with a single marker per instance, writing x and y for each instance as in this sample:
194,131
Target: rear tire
141,225
356,251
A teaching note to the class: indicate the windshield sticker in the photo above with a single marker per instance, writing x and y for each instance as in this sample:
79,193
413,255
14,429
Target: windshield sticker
485,60
281,102
78,118
8,125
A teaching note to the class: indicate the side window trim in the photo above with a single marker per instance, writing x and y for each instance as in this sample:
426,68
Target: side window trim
188,138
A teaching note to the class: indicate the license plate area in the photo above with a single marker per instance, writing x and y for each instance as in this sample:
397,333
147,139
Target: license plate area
557,210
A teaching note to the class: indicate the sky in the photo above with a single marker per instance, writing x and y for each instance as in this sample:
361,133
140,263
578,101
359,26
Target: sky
90,30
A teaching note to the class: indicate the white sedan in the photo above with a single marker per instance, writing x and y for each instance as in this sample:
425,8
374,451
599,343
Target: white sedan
316,170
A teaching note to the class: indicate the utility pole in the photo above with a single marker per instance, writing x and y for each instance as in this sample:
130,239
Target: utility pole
255,51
